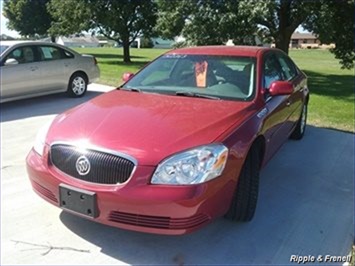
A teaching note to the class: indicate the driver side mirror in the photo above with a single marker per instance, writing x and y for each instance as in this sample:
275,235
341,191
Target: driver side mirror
281,88
127,76
11,61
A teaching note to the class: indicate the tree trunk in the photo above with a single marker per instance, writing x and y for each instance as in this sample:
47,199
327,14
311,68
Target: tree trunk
283,35
282,40
126,54
53,39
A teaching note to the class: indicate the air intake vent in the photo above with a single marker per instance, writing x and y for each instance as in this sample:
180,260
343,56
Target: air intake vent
157,221
44,191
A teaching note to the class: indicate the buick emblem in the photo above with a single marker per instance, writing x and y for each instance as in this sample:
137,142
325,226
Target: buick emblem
83,165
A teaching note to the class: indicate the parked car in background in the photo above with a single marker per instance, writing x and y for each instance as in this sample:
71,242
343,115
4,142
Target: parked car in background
179,144
30,69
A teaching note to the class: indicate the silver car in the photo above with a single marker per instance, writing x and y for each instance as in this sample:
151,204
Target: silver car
29,69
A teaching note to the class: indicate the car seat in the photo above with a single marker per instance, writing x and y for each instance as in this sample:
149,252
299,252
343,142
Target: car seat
28,55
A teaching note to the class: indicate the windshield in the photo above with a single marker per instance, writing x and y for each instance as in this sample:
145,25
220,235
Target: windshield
223,77
3,48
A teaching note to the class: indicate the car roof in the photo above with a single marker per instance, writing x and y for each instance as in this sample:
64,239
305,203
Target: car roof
11,43
19,43
251,51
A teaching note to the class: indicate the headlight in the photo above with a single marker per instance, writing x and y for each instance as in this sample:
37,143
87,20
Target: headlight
194,166
41,138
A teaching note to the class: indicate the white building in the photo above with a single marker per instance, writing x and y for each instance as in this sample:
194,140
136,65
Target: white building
78,41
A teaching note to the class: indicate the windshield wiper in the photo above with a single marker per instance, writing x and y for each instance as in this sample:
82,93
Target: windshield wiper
197,95
131,89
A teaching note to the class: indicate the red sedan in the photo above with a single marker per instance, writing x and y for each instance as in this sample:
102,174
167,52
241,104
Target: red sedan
179,144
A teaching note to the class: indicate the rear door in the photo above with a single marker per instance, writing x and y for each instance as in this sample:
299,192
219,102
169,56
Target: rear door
23,78
54,65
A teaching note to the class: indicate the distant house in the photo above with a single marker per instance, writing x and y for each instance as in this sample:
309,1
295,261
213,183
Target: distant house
304,40
78,41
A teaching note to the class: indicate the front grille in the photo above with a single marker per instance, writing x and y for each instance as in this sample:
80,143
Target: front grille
105,168
158,221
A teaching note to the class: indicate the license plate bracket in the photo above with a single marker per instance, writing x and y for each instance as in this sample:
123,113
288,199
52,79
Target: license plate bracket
78,200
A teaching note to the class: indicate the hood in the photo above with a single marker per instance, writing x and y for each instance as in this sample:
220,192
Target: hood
148,127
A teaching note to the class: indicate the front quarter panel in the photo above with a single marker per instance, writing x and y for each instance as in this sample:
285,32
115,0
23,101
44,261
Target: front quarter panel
239,140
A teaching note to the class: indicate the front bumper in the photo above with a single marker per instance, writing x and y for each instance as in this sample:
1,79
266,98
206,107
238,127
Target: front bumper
138,205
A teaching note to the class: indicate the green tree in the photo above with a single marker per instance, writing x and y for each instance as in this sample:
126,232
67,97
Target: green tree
333,22
205,22
28,17
280,18
121,21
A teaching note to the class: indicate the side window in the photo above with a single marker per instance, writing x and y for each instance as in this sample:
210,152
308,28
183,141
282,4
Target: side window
23,55
271,70
288,68
49,53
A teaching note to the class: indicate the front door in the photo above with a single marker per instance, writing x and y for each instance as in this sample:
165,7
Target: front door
275,124
23,78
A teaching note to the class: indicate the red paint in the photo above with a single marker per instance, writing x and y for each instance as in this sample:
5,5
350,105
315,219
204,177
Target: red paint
127,76
280,88
151,127
148,127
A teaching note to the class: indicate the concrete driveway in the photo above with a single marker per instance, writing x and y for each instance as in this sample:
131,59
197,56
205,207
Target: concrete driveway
306,207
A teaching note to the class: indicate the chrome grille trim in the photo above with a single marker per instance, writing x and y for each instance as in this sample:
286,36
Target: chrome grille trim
109,167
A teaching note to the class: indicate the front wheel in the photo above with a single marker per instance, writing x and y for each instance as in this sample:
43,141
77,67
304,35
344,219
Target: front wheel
300,128
245,198
77,85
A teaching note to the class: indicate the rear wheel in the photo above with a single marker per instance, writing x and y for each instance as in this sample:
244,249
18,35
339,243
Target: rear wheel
246,195
300,128
77,85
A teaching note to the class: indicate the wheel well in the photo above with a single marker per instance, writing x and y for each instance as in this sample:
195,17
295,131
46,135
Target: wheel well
259,143
82,73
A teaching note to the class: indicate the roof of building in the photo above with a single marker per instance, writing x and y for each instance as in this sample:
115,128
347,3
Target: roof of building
299,35
82,39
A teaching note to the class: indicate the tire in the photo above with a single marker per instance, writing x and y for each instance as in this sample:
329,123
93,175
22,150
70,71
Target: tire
245,198
78,85
300,128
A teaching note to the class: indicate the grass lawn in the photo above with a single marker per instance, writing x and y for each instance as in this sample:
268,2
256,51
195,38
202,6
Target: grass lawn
332,88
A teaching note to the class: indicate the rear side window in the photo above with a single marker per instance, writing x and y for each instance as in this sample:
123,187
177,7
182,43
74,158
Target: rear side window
49,53
288,68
